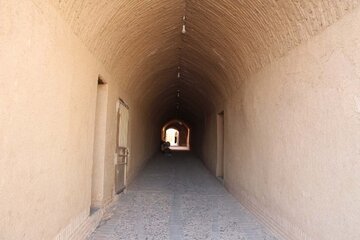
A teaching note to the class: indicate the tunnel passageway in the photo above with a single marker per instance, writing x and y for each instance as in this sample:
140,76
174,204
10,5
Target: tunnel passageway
265,93
178,198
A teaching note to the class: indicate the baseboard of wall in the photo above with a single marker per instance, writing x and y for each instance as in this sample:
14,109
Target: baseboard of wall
84,224
281,228
88,226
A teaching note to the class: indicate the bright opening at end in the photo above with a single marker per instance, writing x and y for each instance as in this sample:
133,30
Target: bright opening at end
177,133
172,136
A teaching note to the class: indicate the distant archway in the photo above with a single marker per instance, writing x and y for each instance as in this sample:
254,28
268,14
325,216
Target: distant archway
172,136
177,133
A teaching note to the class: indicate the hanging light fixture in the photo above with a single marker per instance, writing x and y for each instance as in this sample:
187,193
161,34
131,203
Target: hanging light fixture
184,26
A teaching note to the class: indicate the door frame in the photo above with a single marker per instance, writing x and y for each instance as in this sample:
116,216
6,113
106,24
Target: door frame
99,145
121,152
220,138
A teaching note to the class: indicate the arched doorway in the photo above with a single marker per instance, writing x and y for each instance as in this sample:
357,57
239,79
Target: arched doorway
172,136
177,133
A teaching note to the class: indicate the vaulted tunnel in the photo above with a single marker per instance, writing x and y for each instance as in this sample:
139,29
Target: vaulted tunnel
142,44
282,77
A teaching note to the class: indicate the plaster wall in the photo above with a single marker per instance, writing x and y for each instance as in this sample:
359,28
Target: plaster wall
292,138
47,116
144,140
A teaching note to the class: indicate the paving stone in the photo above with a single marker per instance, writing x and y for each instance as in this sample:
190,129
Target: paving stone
176,198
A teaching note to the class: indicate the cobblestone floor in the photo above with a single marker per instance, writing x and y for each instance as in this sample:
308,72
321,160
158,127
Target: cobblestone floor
176,198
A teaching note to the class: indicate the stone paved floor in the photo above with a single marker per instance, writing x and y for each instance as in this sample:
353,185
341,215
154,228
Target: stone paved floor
176,198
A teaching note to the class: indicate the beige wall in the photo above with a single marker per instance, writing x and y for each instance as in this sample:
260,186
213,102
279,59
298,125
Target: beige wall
292,138
291,133
47,114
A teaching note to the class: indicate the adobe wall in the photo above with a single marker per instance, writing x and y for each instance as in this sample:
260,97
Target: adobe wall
292,138
47,114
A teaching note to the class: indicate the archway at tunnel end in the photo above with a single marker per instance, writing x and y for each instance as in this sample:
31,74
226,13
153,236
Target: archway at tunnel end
181,140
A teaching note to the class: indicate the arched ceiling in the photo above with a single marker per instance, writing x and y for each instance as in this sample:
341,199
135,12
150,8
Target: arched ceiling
141,43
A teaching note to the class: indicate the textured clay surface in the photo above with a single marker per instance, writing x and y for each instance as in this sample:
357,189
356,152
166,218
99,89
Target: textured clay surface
225,41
